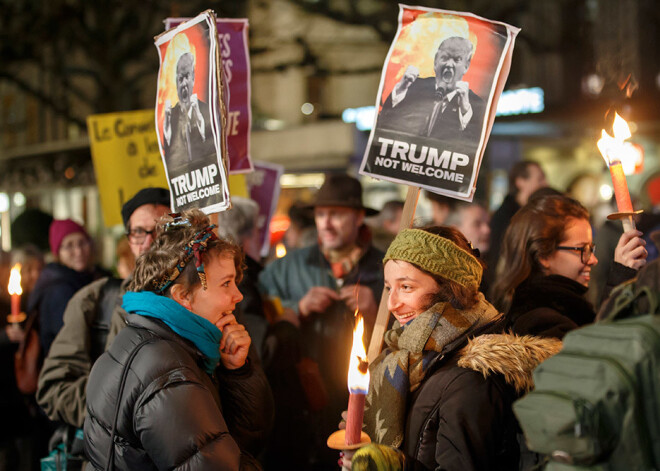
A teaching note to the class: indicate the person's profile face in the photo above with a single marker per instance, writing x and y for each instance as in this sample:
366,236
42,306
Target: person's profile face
185,78
452,61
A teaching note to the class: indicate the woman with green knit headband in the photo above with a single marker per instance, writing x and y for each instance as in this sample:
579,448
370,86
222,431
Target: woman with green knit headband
441,390
176,389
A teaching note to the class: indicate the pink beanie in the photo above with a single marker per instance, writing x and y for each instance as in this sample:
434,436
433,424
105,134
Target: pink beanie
59,229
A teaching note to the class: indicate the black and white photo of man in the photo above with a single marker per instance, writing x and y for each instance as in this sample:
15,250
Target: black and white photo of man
187,126
440,107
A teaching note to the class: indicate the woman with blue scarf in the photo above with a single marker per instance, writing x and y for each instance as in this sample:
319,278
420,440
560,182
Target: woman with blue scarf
176,389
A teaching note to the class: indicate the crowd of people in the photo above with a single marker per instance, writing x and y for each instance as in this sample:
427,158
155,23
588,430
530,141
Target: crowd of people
204,355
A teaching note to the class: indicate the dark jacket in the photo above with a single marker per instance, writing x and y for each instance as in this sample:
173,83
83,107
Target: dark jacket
63,377
55,287
460,418
172,414
549,306
553,305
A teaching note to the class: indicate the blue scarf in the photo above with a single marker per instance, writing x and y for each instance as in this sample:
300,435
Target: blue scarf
205,335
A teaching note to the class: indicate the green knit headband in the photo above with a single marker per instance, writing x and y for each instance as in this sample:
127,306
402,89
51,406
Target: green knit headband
436,255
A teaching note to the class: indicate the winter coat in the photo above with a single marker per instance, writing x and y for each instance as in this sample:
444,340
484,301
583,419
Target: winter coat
172,414
553,305
63,377
328,336
460,418
55,287
549,306
290,278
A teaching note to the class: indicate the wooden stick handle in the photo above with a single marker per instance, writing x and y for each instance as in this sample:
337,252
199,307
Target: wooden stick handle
407,217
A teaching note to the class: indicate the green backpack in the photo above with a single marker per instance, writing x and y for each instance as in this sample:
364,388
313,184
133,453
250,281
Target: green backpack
596,404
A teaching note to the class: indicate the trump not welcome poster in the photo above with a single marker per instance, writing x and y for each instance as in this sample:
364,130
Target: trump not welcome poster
437,98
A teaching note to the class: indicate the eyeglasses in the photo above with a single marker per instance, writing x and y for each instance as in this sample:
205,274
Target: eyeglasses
137,235
585,251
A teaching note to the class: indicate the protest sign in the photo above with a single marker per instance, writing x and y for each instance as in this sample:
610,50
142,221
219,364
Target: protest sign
437,99
190,115
264,188
126,158
233,43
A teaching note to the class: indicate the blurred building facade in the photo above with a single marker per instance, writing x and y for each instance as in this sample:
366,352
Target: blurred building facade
311,60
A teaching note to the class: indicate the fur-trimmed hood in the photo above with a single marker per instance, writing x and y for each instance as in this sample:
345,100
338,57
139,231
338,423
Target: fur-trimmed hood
512,356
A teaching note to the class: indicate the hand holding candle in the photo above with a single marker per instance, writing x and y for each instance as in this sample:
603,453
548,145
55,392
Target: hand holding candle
358,386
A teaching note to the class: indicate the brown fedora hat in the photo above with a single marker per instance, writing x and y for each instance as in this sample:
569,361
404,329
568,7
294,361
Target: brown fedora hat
341,190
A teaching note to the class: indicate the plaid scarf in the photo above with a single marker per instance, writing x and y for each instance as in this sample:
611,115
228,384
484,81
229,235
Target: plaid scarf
402,366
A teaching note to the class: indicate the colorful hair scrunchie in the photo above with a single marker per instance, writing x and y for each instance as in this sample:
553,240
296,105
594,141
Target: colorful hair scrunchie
194,249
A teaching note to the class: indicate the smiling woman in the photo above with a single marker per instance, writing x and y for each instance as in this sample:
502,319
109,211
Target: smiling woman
545,267
441,390
59,281
194,396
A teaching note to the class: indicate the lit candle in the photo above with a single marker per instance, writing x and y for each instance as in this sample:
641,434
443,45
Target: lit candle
614,149
15,291
352,437
358,385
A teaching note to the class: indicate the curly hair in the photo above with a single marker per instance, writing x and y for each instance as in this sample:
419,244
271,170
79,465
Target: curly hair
460,297
533,234
168,248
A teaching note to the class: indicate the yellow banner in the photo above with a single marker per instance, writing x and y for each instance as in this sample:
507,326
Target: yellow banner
126,159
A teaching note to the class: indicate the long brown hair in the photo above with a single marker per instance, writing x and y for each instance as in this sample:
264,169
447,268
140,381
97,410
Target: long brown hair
168,248
533,234
459,296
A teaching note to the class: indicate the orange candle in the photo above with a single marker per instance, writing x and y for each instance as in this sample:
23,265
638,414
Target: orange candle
354,417
15,304
358,385
621,192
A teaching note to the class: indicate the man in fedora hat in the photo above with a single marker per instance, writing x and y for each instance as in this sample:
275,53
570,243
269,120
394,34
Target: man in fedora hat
320,288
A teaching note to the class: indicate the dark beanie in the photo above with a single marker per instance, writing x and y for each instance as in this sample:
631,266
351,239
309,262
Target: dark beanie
142,197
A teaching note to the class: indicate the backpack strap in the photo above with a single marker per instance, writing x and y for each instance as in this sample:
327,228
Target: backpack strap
109,465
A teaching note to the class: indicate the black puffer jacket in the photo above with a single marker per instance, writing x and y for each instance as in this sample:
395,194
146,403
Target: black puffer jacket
172,414
460,418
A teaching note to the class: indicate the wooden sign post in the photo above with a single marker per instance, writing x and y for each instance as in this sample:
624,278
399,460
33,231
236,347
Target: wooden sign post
407,217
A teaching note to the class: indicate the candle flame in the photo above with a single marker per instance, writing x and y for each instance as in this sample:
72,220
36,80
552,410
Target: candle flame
14,286
280,250
620,128
612,147
358,373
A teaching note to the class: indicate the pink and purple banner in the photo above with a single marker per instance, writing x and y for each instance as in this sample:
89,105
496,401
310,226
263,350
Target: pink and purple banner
264,188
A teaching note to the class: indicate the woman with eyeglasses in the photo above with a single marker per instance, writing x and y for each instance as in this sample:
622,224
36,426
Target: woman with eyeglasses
72,269
176,389
545,267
